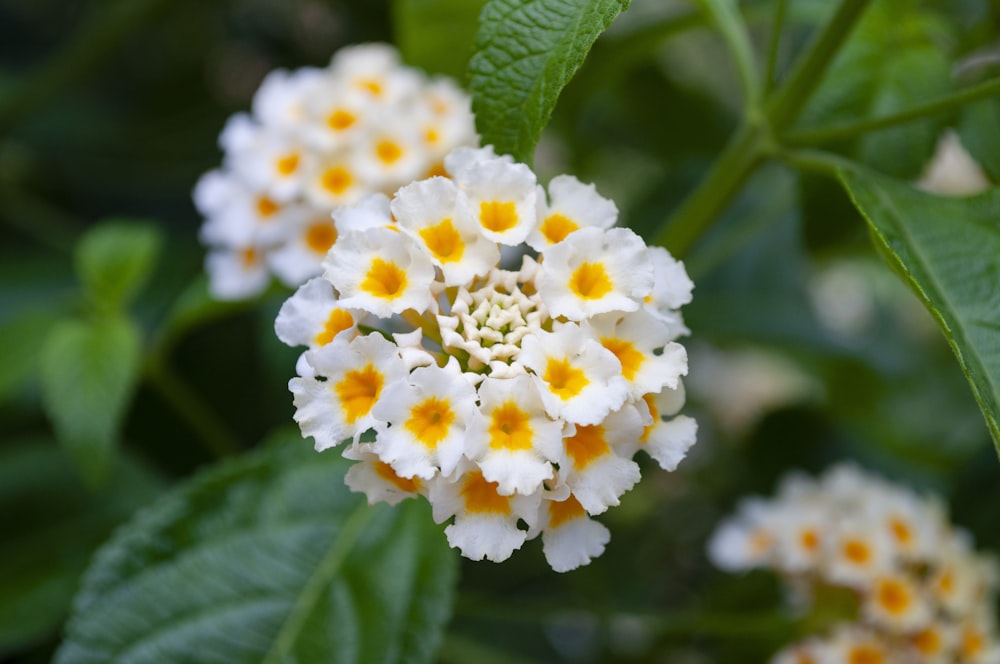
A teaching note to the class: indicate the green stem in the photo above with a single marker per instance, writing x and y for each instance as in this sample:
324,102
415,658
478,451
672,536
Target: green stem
104,31
747,148
816,161
777,26
727,18
937,106
789,100
214,435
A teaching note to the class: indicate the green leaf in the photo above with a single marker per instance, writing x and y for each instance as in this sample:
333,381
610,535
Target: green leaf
526,52
267,558
21,341
115,258
437,35
948,251
89,371
52,525
864,83
979,128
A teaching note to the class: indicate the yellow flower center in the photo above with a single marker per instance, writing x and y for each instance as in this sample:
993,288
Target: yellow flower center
388,152
865,655
586,445
556,227
339,320
565,380
430,421
321,236
626,352
927,641
385,279
358,392
266,207
564,511
902,531
371,85
481,497
857,552
386,472
287,164
336,179
249,257
809,539
510,428
893,596
497,217
590,281
443,241
340,120
653,413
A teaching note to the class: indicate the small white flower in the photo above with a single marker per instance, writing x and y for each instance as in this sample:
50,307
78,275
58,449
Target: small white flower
376,479
236,273
313,317
502,196
570,538
668,436
650,360
572,205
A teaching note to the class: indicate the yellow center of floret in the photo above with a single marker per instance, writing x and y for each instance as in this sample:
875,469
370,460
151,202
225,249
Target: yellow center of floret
626,352
320,236
587,445
384,279
510,428
340,120
497,216
287,164
481,497
358,391
388,152
371,85
901,530
927,641
338,321
437,170
336,179
865,655
556,227
857,552
431,136
972,642
809,539
804,658
565,511
946,582
654,413
590,281
443,241
266,207
385,471
893,596
565,380
430,421
249,257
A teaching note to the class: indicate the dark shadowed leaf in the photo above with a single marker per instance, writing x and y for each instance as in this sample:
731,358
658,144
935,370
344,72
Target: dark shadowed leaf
437,35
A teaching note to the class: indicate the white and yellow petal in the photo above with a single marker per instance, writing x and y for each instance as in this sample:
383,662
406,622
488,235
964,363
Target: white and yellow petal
390,157
594,271
300,256
237,273
461,159
895,600
380,271
667,437
372,211
642,343
571,205
313,317
512,439
579,380
377,480
427,417
570,538
349,377
502,196
279,102
436,215
334,181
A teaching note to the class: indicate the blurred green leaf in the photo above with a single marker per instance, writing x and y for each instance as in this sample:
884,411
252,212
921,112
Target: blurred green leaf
948,251
267,558
865,81
437,35
52,524
979,129
89,371
525,54
115,258
21,341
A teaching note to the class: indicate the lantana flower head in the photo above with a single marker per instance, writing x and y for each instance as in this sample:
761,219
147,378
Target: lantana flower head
317,139
512,397
923,595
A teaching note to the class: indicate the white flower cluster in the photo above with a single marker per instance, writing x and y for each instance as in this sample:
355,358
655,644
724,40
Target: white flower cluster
924,595
514,400
318,139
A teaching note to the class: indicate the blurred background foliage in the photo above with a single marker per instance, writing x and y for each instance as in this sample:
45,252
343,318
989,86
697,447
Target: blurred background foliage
805,348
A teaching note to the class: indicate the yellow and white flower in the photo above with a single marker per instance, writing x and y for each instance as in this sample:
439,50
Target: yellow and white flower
571,205
313,317
570,538
502,197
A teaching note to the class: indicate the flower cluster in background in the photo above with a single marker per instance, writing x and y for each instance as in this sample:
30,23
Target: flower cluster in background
498,348
318,139
922,593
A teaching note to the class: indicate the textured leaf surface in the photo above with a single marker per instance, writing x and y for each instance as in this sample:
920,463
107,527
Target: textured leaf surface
526,52
115,259
437,35
948,251
268,558
52,525
89,371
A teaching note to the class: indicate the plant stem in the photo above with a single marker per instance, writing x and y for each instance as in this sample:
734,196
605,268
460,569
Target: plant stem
789,100
746,149
829,134
727,18
816,161
780,9
214,435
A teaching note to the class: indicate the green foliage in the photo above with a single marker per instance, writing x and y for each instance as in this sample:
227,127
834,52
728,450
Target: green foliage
948,251
89,370
268,558
52,524
979,129
526,52
115,258
437,35
22,339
